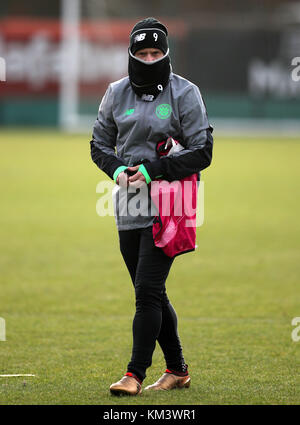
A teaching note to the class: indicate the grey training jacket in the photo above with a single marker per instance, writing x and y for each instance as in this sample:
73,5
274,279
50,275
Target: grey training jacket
128,129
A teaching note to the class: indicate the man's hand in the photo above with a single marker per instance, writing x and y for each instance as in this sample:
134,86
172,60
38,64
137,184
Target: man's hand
138,179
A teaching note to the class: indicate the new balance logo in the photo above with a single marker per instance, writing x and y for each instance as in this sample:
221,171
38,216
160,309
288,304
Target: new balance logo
140,37
129,112
148,97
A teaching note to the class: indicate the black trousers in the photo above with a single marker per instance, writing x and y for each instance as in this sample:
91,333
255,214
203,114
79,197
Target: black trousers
155,319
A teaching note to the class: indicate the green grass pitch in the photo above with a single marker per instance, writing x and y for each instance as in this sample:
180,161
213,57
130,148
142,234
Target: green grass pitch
68,302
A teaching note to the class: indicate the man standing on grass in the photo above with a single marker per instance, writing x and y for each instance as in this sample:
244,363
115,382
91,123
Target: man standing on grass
136,115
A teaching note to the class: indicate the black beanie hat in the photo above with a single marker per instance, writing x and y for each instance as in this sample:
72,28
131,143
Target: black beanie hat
149,33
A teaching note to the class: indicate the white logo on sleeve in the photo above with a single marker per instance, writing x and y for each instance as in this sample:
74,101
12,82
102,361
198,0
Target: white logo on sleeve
140,37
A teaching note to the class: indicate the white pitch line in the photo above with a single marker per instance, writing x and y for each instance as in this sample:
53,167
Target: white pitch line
19,374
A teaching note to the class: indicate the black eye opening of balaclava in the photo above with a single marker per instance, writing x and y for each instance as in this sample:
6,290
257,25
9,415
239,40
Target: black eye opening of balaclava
148,79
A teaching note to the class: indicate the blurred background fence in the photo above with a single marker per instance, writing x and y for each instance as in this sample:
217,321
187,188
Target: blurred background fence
59,57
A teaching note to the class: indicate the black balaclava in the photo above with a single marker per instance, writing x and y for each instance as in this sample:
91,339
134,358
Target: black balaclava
148,79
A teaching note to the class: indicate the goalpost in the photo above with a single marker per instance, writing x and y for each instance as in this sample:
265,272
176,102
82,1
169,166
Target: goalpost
69,73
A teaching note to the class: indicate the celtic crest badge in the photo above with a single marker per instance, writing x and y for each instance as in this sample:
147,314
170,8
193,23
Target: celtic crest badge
163,111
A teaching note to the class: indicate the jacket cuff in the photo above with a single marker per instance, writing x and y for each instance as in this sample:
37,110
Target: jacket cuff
118,171
143,170
154,169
